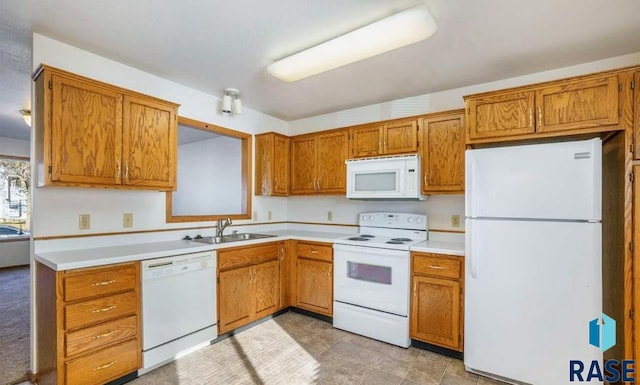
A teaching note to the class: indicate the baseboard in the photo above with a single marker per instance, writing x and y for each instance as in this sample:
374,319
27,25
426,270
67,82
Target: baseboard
311,314
437,349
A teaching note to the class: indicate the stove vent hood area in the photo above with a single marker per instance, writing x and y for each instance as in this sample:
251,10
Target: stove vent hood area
390,178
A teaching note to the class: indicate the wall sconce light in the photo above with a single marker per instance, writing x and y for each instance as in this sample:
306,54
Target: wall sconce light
231,102
26,115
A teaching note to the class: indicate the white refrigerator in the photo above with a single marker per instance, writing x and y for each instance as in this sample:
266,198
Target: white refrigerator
533,277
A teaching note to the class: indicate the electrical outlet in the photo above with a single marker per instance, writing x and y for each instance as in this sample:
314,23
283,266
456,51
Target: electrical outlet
269,215
330,216
127,220
455,221
255,215
84,222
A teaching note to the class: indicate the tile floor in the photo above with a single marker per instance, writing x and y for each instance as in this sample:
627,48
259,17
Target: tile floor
296,349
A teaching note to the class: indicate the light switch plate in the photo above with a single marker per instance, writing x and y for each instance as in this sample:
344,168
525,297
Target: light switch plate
330,216
127,220
455,221
84,221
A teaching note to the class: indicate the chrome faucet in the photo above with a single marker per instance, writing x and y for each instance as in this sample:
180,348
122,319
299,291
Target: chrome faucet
222,224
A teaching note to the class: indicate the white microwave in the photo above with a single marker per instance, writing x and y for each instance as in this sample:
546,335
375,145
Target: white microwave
389,177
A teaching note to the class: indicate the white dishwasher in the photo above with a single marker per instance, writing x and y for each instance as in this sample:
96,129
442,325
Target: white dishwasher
178,306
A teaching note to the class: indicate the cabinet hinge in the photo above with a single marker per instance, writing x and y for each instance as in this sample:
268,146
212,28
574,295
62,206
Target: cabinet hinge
632,314
218,279
633,84
631,148
50,85
630,246
468,111
619,87
631,177
49,169
619,111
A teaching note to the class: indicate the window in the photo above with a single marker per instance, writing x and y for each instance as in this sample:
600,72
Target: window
15,179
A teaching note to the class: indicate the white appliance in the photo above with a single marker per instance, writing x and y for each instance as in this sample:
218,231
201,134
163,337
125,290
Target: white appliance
387,177
371,276
178,306
533,259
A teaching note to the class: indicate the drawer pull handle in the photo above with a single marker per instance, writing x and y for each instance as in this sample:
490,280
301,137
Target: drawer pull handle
314,251
108,334
104,366
103,283
104,309
436,267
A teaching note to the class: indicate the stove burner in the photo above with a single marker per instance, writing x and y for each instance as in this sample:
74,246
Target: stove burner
401,239
367,236
358,239
395,242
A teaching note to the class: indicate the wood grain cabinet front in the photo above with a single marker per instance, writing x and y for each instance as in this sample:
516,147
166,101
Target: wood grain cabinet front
318,163
272,164
436,315
88,324
97,135
583,105
314,277
384,138
249,286
442,151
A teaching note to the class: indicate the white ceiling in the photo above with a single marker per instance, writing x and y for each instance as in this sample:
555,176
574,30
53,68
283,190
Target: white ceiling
211,45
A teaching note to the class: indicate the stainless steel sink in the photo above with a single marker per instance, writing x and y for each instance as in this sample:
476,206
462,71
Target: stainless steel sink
233,238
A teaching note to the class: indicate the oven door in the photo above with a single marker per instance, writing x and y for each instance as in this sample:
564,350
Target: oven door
373,278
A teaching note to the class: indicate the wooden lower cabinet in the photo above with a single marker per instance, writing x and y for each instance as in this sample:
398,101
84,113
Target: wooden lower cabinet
248,284
88,324
437,300
314,277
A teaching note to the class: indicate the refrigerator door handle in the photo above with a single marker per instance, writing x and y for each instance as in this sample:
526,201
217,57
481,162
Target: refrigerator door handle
468,254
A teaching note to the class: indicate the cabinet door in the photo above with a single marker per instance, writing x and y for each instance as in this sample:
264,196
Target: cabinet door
281,165
578,104
234,299
264,164
435,311
400,137
500,115
443,154
366,141
332,152
303,165
315,286
86,133
149,143
266,286
636,115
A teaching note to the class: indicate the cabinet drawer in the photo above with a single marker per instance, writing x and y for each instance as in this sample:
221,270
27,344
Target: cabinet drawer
315,251
95,282
436,265
245,256
103,366
94,337
101,309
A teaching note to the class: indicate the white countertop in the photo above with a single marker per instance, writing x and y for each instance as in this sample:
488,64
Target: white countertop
79,258
98,256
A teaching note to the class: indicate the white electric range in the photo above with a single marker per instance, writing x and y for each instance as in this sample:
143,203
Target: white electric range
371,276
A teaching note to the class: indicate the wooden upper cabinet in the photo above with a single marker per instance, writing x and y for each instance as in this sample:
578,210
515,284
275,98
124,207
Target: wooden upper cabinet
366,141
272,164
400,137
318,163
442,153
92,134
303,165
149,143
332,152
501,115
636,113
579,104
85,139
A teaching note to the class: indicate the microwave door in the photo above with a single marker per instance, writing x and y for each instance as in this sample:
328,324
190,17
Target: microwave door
387,183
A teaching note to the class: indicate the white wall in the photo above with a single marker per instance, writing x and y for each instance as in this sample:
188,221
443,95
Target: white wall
57,209
14,147
209,177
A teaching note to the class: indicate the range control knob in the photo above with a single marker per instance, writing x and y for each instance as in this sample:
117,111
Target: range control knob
198,236
419,219
187,238
410,220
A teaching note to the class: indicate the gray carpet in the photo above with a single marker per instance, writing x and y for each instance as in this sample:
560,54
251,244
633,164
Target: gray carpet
14,324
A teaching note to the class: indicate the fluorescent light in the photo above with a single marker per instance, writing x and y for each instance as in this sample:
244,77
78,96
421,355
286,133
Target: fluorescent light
26,115
404,28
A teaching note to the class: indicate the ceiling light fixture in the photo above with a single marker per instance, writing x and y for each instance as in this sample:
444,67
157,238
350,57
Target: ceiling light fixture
26,115
404,28
231,102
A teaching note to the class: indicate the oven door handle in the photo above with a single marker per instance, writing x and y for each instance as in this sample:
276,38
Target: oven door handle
356,251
